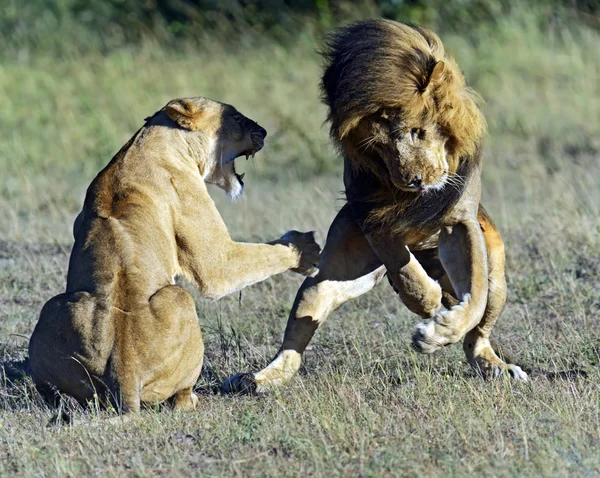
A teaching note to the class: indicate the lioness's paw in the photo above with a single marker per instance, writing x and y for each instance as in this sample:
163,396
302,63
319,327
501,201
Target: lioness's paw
307,249
240,383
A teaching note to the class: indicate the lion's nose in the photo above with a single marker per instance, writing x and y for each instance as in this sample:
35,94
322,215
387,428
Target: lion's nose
416,182
260,131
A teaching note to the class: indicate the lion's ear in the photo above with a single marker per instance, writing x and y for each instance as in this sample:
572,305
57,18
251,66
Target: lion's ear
185,113
436,75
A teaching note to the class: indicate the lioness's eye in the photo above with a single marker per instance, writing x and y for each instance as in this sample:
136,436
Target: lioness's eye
237,116
417,133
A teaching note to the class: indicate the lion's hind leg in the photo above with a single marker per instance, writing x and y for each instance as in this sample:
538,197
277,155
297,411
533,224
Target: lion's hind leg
186,399
478,349
477,346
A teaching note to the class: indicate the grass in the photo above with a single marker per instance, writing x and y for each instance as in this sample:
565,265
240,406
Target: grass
364,404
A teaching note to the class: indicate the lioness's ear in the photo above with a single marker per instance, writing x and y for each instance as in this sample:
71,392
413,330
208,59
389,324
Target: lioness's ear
185,113
436,74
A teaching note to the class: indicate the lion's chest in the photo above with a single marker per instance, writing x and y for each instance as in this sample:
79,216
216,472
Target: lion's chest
422,240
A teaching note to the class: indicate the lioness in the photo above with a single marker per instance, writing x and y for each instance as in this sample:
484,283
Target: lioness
410,132
122,327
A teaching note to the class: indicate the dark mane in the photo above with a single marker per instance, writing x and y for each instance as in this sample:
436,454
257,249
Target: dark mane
381,64
376,203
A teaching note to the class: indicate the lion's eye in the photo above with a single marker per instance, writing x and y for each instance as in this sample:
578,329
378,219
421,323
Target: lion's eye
237,116
417,133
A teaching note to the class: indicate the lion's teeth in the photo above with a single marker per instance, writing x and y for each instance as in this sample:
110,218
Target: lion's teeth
246,154
253,153
242,176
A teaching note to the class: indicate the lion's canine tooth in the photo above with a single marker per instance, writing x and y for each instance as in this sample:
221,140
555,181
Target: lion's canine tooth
241,176
246,154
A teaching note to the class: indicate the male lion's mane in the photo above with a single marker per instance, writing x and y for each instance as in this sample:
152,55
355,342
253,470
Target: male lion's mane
382,64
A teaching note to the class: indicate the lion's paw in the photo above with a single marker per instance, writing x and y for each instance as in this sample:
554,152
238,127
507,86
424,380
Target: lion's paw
516,372
240,384
440,330
425,339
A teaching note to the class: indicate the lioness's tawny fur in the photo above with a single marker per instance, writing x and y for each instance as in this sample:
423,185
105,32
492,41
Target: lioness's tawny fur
123,327
410,132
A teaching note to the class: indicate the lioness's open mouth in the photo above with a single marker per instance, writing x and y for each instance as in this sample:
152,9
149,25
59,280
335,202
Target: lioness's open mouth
257,140
248,153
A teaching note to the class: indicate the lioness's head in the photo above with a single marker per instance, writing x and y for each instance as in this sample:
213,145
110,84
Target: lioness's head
221,134
399,105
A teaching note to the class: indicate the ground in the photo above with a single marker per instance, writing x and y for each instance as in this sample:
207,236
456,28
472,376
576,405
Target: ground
364,402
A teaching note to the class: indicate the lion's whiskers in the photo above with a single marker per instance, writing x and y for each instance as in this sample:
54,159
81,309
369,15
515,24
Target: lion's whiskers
366,143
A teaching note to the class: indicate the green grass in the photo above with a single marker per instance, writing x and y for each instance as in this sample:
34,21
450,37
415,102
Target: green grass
364,404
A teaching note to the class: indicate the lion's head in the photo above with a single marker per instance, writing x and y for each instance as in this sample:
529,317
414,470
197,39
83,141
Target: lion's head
399,105
413,153
219,134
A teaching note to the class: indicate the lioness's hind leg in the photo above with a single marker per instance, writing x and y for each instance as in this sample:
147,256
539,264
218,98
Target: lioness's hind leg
477,346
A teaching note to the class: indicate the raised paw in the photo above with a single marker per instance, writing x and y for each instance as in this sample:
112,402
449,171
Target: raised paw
425,301
307,249
443,329
240,384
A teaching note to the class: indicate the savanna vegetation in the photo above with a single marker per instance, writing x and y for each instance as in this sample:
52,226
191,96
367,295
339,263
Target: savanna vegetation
76,81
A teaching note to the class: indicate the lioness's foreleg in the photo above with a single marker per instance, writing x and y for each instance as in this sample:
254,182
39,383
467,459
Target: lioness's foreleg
477,347
463,254
220,266
348,268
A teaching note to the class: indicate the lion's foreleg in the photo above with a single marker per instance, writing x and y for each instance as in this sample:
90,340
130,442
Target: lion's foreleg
315,301
463,254
348,268
420,293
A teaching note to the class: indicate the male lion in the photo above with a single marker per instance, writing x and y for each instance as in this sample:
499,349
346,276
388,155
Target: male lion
410,132
122,327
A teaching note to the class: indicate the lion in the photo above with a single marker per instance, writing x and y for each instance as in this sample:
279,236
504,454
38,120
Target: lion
123,329
410,132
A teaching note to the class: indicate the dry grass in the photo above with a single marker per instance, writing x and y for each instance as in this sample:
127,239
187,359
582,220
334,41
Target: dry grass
365,404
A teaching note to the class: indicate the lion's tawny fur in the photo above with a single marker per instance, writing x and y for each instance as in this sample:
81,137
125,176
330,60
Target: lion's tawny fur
410,131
